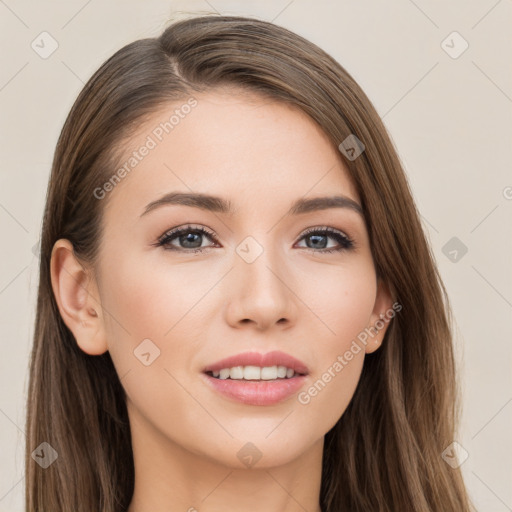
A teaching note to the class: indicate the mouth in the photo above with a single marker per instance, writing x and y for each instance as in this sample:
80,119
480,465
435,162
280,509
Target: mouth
257,366
257,379
251,373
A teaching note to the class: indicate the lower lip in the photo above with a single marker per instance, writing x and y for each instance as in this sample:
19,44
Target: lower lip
267,392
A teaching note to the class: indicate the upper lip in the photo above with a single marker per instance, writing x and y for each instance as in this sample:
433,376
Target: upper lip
274,358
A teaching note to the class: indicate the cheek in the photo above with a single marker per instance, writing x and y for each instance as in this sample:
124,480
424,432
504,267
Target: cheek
156,309
159,304
152,301
342,297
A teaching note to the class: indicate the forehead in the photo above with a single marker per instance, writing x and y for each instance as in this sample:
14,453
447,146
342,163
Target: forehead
229,143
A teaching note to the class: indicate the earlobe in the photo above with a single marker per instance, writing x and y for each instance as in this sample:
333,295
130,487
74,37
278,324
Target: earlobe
381,316
77,298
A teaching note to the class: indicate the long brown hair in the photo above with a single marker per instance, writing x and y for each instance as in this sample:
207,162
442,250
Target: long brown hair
385,452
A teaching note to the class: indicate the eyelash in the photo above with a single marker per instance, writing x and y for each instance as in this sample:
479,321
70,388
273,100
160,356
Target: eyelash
344,241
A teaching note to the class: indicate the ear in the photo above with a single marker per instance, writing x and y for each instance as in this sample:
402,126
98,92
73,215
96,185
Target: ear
382,314
77,298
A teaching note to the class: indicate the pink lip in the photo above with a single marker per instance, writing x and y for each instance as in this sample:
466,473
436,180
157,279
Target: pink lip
266,392
275,358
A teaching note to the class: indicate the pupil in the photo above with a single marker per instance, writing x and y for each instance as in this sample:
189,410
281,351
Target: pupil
316,237
189,237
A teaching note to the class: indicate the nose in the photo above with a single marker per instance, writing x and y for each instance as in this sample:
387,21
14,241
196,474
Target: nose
261,293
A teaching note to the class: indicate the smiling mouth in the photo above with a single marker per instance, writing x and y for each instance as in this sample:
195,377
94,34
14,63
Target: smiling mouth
256,385
251,373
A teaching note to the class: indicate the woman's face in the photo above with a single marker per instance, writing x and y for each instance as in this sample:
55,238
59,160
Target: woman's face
263,278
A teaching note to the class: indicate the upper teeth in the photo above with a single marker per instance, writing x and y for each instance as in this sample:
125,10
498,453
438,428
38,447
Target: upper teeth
255,372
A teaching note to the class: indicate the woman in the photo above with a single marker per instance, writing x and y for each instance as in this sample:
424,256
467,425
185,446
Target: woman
238,308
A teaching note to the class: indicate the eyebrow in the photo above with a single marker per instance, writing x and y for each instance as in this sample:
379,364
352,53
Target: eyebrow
220,205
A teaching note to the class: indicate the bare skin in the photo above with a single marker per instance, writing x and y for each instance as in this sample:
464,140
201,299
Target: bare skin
199,307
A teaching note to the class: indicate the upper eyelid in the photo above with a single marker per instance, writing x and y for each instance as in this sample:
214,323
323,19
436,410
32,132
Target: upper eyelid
328,229
187,227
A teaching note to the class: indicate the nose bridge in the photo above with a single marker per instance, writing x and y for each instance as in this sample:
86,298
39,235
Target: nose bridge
261,292
259,262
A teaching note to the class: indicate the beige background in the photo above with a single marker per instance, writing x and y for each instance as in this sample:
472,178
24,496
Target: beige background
450,119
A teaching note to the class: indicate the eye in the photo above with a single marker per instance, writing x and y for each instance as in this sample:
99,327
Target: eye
319,239
189,237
